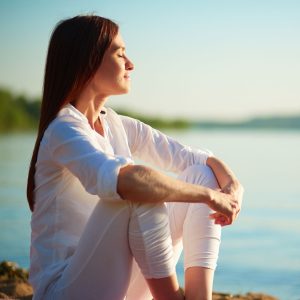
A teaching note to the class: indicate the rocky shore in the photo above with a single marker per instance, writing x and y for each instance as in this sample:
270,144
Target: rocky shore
14,285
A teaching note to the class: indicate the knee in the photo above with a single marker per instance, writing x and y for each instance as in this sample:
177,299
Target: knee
149,213
199,174
150,240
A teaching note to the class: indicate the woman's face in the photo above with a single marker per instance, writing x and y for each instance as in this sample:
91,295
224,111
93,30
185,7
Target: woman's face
112,77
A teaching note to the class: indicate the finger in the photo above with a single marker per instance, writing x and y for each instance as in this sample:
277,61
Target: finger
218,216
213,215
222,221
226,221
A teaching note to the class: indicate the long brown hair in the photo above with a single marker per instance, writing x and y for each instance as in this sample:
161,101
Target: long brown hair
75,52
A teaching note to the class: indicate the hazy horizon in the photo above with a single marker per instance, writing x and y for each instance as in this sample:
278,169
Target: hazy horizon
197,59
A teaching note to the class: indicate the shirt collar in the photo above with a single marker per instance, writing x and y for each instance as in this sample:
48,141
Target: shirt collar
72,110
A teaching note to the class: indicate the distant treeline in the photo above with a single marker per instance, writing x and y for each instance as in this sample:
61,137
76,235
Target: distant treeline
272,122
19,113
156,122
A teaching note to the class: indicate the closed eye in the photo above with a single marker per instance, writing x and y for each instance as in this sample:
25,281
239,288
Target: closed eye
122,55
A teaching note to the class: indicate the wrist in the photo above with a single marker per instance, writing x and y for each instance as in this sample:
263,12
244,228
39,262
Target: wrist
232,187
209,196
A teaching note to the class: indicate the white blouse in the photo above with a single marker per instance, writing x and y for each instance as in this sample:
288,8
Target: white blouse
76,167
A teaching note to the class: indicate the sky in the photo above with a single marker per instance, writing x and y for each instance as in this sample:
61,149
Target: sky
214,59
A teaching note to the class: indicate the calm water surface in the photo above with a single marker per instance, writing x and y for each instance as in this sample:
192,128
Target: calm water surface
260,252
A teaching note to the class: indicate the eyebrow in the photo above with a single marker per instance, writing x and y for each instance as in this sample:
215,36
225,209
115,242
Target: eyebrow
119,47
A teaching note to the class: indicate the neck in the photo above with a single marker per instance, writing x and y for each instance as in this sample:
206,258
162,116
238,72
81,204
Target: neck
90,107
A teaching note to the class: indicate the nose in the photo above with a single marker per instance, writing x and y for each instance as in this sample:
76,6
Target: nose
129,65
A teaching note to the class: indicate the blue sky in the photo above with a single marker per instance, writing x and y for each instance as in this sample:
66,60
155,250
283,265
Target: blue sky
200,59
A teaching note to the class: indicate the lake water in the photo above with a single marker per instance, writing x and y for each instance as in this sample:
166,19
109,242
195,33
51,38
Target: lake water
260,252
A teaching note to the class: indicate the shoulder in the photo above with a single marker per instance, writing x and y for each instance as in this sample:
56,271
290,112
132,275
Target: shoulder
125,121
67,123
112,114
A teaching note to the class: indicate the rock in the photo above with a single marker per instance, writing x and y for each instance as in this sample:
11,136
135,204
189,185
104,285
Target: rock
248,296
14,285
13,282
221,296
15,288
4,296
11,271
260,296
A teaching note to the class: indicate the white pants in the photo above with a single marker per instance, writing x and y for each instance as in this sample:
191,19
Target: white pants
123,242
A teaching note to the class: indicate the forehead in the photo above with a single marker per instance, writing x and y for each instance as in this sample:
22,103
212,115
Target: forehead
117,43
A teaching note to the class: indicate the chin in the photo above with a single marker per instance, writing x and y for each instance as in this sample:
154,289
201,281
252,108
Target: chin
121,89
120,92
125,90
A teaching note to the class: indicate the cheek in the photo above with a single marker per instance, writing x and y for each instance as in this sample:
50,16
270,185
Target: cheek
114,71
106,75
117,75
110,76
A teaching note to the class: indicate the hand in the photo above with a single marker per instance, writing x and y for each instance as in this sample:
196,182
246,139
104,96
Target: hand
236,191
226,207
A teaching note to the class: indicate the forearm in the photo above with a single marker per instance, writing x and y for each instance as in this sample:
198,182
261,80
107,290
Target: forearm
229,185
222,172
140,183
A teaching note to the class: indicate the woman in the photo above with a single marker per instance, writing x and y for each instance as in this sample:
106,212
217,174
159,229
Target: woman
100,225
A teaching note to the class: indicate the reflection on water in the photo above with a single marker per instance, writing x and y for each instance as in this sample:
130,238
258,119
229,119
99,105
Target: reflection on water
260,252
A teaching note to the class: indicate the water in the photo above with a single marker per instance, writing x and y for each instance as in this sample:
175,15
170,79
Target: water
260,252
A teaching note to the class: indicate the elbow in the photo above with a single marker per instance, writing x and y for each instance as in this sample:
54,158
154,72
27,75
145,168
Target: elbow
129,180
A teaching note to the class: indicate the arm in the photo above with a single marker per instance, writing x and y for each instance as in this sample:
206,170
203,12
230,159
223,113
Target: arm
137,182
222,172
158,149
229,185
71,145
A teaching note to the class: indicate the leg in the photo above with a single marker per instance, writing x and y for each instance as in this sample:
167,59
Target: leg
139,287
151,244
102,262
191,222
201,237
198,283
201,240
101,265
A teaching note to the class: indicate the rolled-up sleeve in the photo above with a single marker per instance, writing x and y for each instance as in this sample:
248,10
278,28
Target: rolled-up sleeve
71,146
153,146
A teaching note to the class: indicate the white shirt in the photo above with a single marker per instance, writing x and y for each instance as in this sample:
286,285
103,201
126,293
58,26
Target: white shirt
75,168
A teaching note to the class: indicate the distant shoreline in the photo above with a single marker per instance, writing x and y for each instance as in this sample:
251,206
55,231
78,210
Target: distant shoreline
272,122
20,114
